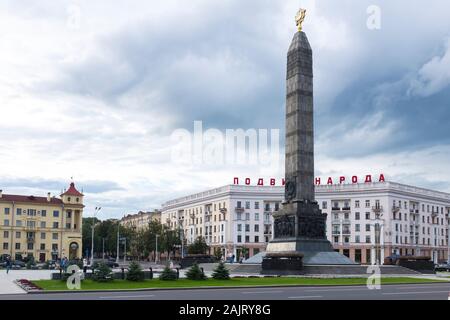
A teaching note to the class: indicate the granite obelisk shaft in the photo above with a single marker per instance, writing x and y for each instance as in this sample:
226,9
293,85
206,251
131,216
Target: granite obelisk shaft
299,121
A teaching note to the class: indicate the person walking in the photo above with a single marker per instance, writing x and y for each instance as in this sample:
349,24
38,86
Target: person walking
8,264
85,265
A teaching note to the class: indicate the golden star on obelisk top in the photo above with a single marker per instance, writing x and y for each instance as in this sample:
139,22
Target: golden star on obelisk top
299,18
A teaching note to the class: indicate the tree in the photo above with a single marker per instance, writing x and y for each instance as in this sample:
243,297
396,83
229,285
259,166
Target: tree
103,273
218,254
199,246
221,272
135,272
195,273
168,274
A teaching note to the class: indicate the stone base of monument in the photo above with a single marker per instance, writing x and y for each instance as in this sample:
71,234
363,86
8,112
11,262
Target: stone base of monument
282,263
290,257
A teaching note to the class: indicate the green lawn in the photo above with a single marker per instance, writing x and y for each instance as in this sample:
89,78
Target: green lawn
49,285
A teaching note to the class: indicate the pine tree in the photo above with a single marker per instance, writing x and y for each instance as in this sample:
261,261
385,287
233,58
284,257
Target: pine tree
168,274
221,272
103,273
135,272
195,273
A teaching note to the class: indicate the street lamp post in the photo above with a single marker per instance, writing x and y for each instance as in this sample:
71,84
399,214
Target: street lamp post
97,209
118,237
125,250
156,251
103,249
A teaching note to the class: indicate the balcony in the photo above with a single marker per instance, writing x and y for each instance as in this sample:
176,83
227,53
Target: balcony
30,239
336,233
346,232
346,209
346,221
336,221
208,212
239,209
434,213
377,209
395,208
414,211
335,209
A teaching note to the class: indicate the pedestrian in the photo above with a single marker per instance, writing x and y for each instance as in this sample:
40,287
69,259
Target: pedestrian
232,258
85,265
8,264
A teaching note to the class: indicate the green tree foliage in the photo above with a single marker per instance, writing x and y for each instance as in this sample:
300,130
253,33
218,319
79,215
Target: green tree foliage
195,273
103,273
199,246
221,272
168,274
218,254
135,272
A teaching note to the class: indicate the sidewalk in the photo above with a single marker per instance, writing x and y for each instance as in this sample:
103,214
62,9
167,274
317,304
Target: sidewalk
7,285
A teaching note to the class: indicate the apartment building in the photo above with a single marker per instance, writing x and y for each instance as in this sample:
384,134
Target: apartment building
42,227
367,222
140,220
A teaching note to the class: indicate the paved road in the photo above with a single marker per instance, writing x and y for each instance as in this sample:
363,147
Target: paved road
439,291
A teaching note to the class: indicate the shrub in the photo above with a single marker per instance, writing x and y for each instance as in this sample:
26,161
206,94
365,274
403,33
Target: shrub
135,272
103,273
195,273
221,272
168,274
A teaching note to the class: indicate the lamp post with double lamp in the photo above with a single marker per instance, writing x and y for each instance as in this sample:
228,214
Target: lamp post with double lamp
448,235
97,209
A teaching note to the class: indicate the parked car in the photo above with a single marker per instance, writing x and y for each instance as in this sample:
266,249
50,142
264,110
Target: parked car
110,263
442,267
18,263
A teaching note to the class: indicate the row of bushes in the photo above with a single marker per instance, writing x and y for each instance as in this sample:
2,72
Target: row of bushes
135,273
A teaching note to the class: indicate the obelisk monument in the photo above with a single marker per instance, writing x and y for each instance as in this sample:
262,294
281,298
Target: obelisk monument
300,227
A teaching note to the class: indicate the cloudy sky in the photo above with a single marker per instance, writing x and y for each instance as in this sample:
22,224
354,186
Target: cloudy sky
94,90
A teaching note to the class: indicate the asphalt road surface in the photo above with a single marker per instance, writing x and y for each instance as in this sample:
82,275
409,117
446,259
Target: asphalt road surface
438,291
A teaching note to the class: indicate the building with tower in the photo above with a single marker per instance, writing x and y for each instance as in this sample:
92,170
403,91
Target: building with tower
45,228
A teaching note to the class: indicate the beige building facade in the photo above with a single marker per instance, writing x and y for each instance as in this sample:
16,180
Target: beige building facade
140,220
47,228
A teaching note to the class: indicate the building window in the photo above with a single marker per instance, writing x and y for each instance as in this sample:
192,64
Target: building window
247,228
19,211
367,215
247,239
18,234
55,213
55,236
42,235
367,239
239,216
256,205
367,227
18,223
5,245
257,228
6,210
43,213
239,227
5,234
357,239
324,204
43,224
55,225
42,246
336,239
357,204
30,246
69,214
277,206
367,203
256,239
256,216
239,238
357,227
357,216
247,216
54,247
17,245
6,223
346,239
247,204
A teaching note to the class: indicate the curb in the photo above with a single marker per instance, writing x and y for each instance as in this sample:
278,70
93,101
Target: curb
230,287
